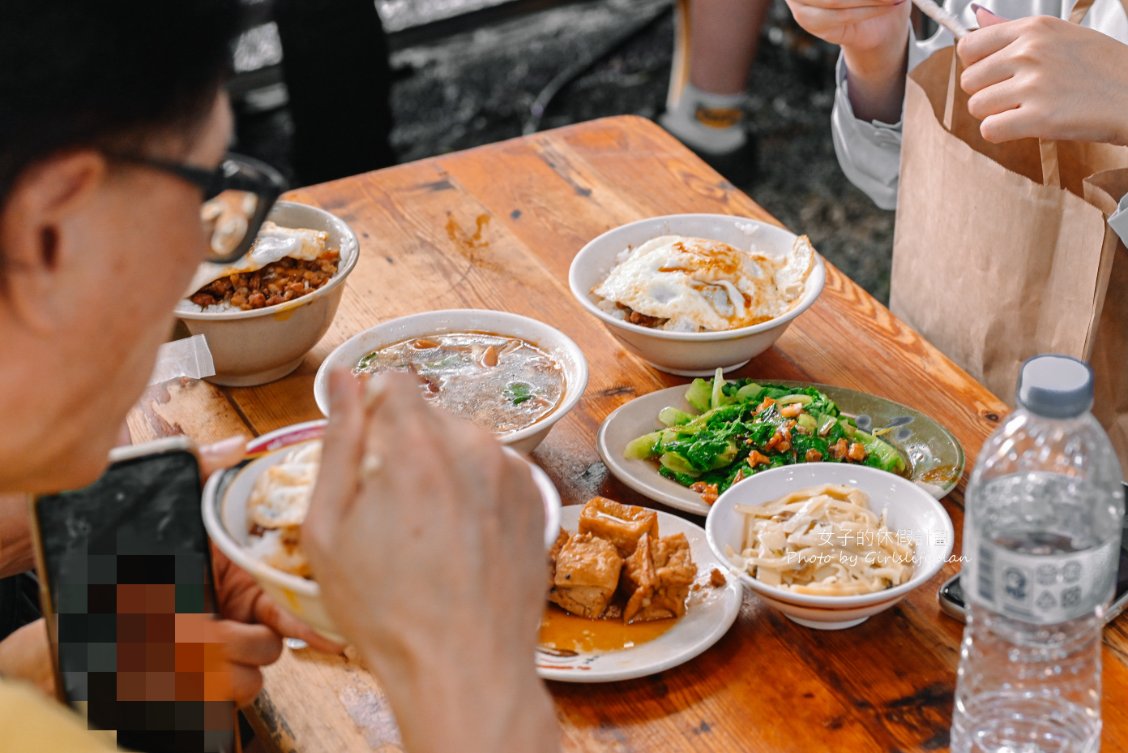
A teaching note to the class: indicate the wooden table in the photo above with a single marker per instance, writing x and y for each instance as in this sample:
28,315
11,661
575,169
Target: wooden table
496,227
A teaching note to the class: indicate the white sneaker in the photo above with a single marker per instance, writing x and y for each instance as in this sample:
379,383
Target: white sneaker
708,123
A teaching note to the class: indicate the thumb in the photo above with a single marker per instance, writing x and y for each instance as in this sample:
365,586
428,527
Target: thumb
986,17
283,623
341,453
221,454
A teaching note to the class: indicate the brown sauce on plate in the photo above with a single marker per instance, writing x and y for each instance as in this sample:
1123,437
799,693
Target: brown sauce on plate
502,384
567,632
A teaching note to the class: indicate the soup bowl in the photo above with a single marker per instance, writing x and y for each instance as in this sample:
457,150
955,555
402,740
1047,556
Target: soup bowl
556,344
225,519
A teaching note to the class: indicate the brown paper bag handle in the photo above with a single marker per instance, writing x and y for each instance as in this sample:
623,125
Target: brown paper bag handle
1082,7
953,82
1051,170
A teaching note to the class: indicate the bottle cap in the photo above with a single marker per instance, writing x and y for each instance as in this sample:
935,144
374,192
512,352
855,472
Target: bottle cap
1055,386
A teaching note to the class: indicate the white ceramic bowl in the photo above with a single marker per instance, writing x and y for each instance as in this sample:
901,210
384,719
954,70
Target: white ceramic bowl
910,510
551,340
690,353
259,346
225,518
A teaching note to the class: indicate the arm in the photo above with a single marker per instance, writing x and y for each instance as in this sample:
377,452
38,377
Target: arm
869,152
428,544
875,41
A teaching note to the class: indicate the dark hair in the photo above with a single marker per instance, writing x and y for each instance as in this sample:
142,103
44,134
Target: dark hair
77,73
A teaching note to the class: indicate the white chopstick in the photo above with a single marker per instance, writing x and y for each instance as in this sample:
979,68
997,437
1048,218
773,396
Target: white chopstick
942,17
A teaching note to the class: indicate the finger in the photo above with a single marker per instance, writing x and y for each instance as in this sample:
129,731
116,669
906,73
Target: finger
1010,125
985,73
986,17
251,645
522,493
222,454
246,682
394,397
994,100
982,43
519,481
399,417
341,449
468,442
287,625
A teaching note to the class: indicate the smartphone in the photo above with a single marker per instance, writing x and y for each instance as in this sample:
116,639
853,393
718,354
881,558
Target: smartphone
125,583
953,603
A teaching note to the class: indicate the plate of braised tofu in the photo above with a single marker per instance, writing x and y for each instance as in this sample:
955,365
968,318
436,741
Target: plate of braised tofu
632,592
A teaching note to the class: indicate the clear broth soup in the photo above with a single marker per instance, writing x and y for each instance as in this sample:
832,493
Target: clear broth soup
502,384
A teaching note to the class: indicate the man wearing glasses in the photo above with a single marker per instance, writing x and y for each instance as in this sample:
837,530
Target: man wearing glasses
115,184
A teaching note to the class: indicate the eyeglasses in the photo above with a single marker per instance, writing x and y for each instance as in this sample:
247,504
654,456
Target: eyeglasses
238,195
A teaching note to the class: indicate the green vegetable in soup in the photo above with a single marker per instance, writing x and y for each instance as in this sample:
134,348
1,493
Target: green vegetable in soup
519,392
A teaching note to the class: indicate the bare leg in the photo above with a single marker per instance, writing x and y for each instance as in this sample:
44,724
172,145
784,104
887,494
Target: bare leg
715,44
723,38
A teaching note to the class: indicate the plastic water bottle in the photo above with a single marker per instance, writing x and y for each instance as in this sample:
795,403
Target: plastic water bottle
1041,535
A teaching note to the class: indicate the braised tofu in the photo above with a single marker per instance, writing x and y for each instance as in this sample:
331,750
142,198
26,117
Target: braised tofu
586,575
553,553
657,578
622,525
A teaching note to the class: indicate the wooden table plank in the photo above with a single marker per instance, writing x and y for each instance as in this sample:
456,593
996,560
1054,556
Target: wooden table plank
497,227
183,406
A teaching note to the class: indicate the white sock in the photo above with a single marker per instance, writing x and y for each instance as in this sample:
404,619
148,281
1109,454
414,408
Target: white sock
708,122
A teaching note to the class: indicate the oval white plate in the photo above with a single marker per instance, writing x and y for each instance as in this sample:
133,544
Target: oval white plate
711,613
935,454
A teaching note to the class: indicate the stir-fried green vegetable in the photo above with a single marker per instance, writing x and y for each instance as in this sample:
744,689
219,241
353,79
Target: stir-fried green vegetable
743,427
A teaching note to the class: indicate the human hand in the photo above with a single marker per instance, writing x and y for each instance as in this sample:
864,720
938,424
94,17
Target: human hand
239,594
226,657
427,542
858,26
235,654
26,655
874,35
242,599
1042,77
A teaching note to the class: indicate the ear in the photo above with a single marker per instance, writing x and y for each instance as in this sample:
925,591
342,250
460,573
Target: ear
41,202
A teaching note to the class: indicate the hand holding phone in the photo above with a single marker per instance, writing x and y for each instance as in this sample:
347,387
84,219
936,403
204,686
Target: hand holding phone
127,594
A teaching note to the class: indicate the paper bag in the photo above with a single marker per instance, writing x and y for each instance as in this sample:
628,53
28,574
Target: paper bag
1002,251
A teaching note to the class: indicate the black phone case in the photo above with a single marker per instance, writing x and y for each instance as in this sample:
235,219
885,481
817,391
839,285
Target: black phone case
122,558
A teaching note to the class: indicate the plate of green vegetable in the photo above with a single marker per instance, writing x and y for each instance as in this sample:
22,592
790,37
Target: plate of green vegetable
684,446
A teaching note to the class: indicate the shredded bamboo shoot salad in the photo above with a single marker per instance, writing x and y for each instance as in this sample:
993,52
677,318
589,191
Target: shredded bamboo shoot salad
824,541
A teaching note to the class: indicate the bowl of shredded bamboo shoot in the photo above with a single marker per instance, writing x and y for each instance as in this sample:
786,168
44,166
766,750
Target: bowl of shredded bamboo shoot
827,544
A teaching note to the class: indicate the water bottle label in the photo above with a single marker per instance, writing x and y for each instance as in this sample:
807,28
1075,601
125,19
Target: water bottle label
1044,589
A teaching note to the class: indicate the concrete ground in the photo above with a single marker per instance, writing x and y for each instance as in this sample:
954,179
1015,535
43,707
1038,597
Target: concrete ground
477,87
